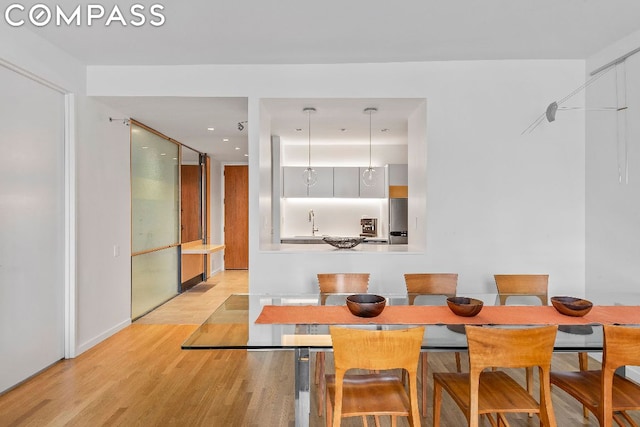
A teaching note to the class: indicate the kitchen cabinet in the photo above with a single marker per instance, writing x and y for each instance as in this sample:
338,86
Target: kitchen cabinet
346,182
378,189
398,175
398,181
343,182
294,186
324,185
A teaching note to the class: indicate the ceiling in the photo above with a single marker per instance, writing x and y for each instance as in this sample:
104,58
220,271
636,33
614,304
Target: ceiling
188,119
331,31
341,121
338,31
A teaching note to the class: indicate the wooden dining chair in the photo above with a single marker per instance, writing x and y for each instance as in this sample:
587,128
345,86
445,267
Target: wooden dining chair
379,390
532,285
441,284
332,284
535,285
603,392
489,392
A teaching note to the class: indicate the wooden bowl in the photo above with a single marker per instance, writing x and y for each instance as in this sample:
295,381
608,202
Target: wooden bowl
463,306
570,306
366,305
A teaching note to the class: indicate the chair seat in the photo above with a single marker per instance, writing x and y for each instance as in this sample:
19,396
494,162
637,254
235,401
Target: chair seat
585,386
497,392
383,392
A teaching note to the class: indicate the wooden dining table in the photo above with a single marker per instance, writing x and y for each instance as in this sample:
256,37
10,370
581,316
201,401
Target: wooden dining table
298,323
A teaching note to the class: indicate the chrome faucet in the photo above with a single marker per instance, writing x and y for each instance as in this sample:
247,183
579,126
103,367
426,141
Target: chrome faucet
312,220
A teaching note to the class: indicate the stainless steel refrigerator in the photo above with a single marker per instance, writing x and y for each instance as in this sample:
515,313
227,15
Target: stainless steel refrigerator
398,221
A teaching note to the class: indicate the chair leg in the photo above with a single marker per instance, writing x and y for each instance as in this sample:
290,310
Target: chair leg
529,374
583,361
618,420
458,366
320,381
423,373
437,401
329,409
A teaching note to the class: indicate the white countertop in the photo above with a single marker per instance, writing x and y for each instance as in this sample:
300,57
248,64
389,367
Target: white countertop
363,248
318,239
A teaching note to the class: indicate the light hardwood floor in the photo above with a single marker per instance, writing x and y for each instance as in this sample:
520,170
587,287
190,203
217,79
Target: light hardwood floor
141,377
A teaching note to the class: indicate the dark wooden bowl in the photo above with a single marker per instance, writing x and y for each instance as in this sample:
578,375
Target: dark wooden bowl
366,305
571,306
463,306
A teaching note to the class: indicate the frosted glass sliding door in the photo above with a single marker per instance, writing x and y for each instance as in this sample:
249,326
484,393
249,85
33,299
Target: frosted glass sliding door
32,218
155,219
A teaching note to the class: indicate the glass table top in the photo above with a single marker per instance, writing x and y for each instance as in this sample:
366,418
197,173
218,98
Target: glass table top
232,325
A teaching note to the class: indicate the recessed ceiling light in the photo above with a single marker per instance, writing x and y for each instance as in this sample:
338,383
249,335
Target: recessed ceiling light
385,130
225,139
144,147
163,154
237,148
298,129
343,129
246,155
211,128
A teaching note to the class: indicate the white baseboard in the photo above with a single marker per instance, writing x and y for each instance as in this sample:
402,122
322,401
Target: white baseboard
103,336
214,272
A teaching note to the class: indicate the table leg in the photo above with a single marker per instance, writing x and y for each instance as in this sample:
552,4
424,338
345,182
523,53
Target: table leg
302,380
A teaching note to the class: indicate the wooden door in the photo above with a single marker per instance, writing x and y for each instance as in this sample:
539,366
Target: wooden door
192,267
236,217
191,204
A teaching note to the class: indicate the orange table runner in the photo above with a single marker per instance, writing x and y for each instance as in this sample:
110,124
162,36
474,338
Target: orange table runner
434,315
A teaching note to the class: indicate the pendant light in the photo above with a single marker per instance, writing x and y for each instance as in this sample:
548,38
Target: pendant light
309,175
369,175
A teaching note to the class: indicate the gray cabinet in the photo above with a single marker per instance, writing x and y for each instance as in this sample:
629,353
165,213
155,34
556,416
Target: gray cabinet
398,174
292,183
378,189
346,182
294,186
324,185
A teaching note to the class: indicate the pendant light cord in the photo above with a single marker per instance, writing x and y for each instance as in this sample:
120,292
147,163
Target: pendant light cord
309,129
370,112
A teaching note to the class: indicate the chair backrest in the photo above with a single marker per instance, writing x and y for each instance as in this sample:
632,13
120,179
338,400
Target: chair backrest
376,350
342,283
510,348
430,284
535,285
621,348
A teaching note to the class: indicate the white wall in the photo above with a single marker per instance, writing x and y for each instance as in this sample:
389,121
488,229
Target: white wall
612,207
333,216
101,295
343,155
37,57
103,223
497,202
32,227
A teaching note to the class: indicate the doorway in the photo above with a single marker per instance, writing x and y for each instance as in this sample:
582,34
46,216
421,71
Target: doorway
236,217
